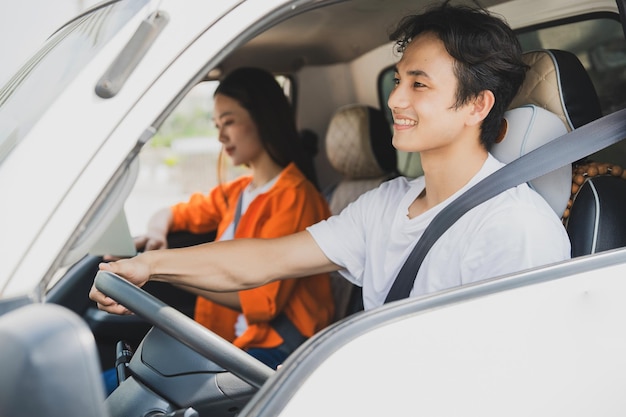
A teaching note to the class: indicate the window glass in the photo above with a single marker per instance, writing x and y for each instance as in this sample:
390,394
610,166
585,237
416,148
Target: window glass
182,158
48,72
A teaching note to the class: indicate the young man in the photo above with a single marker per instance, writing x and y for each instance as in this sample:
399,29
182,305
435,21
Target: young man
459,70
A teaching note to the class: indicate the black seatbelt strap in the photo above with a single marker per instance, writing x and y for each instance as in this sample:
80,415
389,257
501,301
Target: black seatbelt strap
238,212
292,338
566,149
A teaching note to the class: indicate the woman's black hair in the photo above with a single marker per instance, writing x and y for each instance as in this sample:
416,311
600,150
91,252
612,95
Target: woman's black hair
487,56
257,91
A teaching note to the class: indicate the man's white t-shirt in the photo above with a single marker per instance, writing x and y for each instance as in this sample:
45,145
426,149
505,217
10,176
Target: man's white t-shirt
373,236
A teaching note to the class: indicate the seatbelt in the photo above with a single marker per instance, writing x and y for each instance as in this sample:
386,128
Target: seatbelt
292,338
237,212
566,149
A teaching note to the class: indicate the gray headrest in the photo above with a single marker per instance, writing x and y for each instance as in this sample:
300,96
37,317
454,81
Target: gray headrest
527,128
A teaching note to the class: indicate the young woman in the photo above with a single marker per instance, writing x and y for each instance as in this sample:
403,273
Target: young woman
257,129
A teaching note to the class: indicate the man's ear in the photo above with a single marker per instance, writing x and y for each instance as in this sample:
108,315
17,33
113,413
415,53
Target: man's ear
481,106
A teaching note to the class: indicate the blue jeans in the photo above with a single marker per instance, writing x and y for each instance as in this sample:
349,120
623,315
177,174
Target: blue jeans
272,357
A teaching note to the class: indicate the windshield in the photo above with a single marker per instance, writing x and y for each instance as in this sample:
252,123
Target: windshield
35,86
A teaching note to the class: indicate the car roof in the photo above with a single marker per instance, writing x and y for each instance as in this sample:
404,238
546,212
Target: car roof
346,30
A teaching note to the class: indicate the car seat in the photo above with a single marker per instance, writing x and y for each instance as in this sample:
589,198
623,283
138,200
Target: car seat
593,217
559,82
358,146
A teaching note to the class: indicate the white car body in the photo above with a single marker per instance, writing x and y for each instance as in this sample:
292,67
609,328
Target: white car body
100,133
550,348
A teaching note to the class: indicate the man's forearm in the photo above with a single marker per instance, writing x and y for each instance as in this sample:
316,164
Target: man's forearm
238,264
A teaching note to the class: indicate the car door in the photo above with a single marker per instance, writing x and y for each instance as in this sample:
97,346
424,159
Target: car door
77,161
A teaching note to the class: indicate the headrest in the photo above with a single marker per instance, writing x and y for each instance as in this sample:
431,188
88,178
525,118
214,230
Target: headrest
358,142
558,82
556,97
527,128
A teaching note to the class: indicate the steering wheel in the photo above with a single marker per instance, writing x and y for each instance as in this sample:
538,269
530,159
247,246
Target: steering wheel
184,329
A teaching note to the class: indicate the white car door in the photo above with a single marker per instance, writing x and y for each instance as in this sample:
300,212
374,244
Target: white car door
59,175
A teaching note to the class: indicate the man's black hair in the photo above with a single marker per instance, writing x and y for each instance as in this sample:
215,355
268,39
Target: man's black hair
487,55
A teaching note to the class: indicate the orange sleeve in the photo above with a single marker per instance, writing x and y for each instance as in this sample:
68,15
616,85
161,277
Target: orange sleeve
204,212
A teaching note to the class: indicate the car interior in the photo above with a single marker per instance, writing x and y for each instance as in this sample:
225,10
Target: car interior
358,145
565,89
63,330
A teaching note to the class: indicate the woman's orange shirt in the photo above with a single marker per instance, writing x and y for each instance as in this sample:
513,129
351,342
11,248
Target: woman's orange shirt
291,205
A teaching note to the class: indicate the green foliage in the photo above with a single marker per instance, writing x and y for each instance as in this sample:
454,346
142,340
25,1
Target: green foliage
184,124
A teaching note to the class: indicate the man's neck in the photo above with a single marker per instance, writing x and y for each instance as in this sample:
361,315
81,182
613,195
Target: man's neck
445,174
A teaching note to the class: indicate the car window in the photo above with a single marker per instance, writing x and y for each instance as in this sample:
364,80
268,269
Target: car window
597,41
182,157
48,72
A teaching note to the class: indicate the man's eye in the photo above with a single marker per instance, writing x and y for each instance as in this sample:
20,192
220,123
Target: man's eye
396,81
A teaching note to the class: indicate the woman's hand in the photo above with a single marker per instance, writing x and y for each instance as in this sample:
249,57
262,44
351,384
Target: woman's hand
151,241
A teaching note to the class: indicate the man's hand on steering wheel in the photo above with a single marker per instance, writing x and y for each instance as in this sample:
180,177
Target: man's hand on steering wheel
133,270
